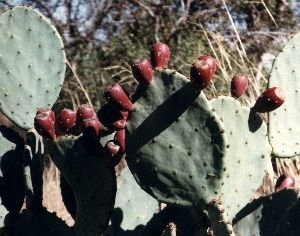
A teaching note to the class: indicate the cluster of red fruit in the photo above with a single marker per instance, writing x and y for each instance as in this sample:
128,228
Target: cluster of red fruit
201,72
68,122
111,117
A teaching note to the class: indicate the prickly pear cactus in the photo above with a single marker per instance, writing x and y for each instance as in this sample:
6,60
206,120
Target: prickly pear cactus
283,133
32,64
247,156
276,214
177,144
82,162
130,197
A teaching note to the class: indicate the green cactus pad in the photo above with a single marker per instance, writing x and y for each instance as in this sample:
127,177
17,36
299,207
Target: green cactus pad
247,156
276,215
5,146
177,143
137,206
32,64
283,132
82,162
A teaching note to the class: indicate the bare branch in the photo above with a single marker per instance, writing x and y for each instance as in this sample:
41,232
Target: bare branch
101,13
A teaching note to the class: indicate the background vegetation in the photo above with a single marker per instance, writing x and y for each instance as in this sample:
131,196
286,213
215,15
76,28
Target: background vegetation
102,37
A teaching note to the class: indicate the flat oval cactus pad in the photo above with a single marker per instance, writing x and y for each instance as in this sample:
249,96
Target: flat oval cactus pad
32,64
177,142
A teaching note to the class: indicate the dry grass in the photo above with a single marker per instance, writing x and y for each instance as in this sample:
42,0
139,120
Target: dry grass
52,198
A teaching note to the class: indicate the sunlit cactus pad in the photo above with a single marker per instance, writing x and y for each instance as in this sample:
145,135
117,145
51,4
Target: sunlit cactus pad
177,143
247,156
284,133
32,64
130,197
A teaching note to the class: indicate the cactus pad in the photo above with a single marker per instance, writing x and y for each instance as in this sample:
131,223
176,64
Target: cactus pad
247,156
177,143
276,214
283,133
32,64
82,162
130,197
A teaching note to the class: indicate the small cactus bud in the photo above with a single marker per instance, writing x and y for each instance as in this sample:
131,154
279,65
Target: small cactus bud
118,97
201,74
142,71
285,181
159,55
269,100
239,85
44,123
66,120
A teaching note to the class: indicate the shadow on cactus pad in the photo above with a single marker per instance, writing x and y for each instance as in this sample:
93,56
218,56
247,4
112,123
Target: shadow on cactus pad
115,228
277,214
12,189
37,223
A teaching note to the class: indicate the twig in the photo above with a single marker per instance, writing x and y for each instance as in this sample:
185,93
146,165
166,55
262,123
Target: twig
79,82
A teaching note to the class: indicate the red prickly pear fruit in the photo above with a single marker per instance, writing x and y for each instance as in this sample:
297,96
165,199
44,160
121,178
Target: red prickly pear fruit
85,111
124,114
45,124
113,153
239,85
118,97
159,55
119,138
66,120
120,124
112,148
47,111
201,74
210,60
285,181
142,71
112,118
269,100
92,126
